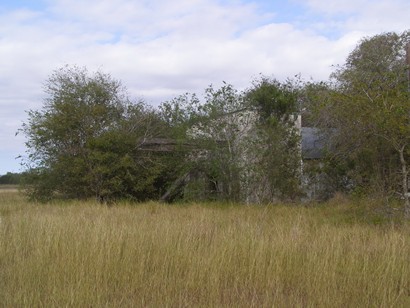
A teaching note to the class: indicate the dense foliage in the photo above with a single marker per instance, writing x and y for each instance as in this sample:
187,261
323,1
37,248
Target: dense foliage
248,140
365,113
86,141
276,143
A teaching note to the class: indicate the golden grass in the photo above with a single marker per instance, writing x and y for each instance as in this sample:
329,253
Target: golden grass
8,188
153,255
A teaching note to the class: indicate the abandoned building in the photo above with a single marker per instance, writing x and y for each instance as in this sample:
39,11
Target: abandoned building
198,183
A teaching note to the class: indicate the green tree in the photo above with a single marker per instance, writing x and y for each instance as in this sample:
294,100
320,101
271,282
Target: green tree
275,143
368,111
221,127
213,129
180,114
86,140
246,144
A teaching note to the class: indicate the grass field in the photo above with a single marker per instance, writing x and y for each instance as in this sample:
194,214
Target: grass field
152,255
8,188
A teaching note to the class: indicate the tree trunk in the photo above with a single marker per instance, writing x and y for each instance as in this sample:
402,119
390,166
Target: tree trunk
405,184
175,187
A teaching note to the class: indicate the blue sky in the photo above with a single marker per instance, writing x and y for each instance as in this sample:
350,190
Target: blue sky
160,48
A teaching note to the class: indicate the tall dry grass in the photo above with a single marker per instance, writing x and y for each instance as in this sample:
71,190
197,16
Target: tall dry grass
85,254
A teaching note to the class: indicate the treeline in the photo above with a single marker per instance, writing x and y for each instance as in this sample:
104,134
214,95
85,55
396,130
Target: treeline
91,139
10,178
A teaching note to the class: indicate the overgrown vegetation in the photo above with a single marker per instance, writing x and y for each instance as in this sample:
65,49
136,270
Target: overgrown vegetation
364,113
86,141
90,139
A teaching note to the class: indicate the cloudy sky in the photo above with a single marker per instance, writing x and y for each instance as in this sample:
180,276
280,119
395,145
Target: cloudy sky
160,48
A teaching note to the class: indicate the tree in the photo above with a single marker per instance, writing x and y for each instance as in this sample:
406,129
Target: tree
275,143
368,110
221,127
246,144
214,128
86,140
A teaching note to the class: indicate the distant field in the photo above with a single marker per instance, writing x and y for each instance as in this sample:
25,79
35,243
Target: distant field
8,188
153,255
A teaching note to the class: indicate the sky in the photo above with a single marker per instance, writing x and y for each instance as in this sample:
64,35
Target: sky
160,49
